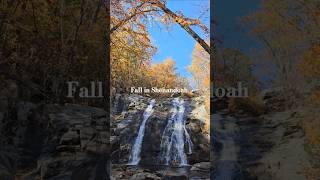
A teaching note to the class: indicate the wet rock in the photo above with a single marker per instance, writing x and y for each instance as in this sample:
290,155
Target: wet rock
119,104
202,166
174,95
124,130
200,170
195,126
152,139
70,138
144,176
132,105
175,177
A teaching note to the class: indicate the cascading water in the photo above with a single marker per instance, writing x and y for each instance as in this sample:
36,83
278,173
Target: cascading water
136,149
175,137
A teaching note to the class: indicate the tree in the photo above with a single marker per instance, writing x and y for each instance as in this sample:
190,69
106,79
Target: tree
139,10
233,66
200,68
310,63
163,75
51,42
287,28
131,48
309,66
131,52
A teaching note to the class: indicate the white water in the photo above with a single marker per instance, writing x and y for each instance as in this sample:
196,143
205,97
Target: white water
175,137
136,149
227,162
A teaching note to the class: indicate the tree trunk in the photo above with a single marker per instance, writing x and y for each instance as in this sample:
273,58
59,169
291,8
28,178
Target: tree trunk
187,28
166,10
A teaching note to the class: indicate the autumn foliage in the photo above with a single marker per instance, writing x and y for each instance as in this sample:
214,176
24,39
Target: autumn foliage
132,49
200,70
310,63
50,42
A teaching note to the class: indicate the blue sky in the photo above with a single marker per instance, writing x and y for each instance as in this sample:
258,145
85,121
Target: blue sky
176,42
227,14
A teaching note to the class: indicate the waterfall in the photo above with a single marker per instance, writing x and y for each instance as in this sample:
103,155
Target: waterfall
175,137
136,149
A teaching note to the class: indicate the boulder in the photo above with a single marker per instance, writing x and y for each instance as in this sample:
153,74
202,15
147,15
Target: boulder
200,170
202,166
144,176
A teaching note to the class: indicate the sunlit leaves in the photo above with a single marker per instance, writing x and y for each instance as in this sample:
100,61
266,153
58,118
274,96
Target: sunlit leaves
164,74
200,67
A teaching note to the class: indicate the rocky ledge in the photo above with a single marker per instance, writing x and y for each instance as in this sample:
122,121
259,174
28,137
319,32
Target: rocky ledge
53,141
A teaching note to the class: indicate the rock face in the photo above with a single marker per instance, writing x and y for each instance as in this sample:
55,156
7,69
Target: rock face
53,142
125,125
70,141
274,99
199,136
